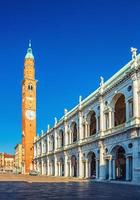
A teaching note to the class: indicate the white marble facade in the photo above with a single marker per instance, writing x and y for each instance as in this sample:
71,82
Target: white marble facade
100,137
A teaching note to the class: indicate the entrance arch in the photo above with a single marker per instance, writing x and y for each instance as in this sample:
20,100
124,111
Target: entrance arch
92,164
120,163
74,166
61,167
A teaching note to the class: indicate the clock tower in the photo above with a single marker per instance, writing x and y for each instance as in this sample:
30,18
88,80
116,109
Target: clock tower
28,111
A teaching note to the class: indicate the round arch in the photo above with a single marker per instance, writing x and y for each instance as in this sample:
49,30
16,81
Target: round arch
74,131
92,164
119,106
91,118
74,165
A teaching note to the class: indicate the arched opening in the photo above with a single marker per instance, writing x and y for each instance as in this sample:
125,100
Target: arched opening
61,167
61,138
92,123
120,109
92,164
74,132
52,142
52,168
74,166
120,164
30,87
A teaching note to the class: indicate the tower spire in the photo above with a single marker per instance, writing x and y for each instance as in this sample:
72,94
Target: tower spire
29,53
30,43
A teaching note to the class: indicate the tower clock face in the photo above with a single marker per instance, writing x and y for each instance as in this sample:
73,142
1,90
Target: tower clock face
30,114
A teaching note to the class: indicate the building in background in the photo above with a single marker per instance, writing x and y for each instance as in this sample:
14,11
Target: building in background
1,161
18,157
28,112
100,137
7,162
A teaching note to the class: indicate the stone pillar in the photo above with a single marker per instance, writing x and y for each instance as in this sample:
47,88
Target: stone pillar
42,146
48,146
55,139
110,168
97,168
65,134
101,116
42,165
86,129
80,164
80,125
65,164
102,161
59,169
135,96
110,118
127,169
48,167
87,172
113,169
127,110
70,168
55,163
97,124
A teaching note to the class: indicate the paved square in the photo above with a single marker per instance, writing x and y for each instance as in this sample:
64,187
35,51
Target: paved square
70,190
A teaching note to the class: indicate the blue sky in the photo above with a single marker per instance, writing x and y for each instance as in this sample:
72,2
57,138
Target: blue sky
74,43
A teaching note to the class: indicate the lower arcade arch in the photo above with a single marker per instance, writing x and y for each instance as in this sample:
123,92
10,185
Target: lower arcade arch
119,163
92,164
74,166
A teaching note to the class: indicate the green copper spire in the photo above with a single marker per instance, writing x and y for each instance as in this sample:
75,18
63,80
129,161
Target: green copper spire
29,53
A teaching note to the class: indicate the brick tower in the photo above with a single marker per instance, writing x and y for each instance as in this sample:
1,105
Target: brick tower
28,111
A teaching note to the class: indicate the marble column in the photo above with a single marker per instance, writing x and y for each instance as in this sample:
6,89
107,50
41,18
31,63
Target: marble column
102,161
101,116
127,169
97,168
87,172
80,125
110,168
65,165
86,129
110,118
70,168
59,169
55,163
113,169
80,164
65,134
127,110
48,167
135,96
42,165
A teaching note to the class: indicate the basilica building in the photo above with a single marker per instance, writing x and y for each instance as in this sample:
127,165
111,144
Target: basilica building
100,137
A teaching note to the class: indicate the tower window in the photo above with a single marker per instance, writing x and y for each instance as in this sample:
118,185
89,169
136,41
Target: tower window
30,87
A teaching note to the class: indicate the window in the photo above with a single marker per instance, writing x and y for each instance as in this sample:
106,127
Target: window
130,108
30,87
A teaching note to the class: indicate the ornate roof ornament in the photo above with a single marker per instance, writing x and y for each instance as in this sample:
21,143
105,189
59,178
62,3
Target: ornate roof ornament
42,132
48,127
55,121
101,81
134,57
134,53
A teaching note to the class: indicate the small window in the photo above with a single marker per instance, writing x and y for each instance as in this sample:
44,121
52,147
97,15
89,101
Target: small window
129,88
30,87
